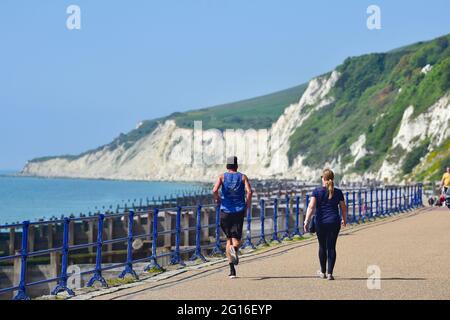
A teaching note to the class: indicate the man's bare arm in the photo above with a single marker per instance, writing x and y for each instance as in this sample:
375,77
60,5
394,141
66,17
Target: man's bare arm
216,188
249,193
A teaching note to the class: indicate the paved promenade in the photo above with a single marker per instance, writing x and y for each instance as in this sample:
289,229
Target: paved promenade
412,251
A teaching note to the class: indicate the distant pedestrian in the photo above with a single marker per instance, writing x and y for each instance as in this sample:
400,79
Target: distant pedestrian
445,181
441,199
325,202
431,201
235,198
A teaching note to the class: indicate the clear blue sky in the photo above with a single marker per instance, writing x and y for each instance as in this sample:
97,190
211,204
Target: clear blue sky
67,91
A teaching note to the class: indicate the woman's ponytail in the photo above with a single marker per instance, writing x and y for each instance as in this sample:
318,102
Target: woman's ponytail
330,188
328,176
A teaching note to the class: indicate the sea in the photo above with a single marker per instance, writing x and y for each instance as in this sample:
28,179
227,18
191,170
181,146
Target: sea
31,198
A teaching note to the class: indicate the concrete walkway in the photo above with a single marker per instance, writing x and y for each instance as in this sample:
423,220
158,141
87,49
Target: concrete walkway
412,251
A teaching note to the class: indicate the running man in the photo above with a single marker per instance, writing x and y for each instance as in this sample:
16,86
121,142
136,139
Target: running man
445,182
235,198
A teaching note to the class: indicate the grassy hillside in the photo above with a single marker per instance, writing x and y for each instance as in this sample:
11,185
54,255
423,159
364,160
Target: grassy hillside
256,113
370,98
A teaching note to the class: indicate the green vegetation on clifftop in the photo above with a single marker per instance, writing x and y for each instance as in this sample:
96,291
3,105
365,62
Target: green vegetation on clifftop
434,165
370,98
256,113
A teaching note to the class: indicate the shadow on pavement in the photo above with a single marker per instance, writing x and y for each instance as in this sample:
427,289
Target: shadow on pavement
283,277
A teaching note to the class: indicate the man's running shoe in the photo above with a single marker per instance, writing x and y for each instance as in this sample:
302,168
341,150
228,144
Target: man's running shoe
330,277
321,275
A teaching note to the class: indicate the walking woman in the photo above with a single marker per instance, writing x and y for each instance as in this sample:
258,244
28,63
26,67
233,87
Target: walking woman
325,201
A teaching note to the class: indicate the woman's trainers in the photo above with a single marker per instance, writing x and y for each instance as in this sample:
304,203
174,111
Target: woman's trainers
330,277
234,256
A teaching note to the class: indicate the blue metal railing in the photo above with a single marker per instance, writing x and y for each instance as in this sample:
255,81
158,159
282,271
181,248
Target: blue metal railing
355,199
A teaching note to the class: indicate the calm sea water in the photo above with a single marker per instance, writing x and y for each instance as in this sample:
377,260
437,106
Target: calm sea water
23,198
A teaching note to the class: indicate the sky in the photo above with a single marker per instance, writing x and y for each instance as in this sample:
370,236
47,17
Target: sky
66,91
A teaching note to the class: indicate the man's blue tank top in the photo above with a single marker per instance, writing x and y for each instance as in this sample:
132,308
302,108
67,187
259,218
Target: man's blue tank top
233,193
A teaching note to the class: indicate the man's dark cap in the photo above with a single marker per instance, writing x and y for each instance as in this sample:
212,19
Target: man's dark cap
232,160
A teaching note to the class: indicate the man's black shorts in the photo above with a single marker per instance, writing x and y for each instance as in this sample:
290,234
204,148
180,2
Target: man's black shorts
232,223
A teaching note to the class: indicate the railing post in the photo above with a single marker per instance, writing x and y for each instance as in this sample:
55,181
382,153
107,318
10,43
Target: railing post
346,202
353,207
262,239
377,209
396,199
359,204
393,201
62,285
217,248
366,208
307,200
419,200
154,266
21,293
402,203
286,235
248,240
390,201
176,256
406,203
129,267
371,204
420,195
275,221
386,203
380,206
410,197
198,249
400,208
297,216
415,196
98,259
406,198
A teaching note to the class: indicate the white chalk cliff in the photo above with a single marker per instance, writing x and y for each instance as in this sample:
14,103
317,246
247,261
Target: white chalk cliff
434,124
179,154
172,153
